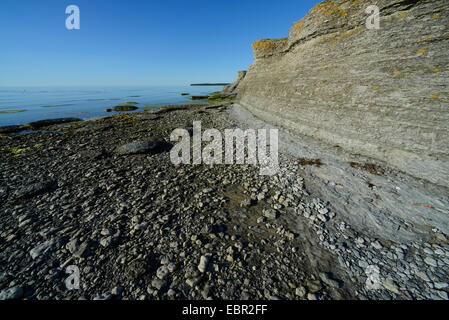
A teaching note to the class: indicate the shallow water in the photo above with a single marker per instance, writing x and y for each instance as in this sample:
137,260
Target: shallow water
86,102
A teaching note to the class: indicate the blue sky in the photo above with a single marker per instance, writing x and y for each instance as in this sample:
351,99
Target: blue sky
170,42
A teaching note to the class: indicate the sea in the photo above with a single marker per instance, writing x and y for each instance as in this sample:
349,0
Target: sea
39,103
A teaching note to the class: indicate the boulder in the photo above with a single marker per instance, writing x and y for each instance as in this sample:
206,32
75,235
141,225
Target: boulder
124,108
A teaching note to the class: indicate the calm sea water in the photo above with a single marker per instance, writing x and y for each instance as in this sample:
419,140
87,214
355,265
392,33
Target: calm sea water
88,102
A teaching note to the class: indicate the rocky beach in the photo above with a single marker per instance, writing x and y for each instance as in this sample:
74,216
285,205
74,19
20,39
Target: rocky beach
138,227
358,210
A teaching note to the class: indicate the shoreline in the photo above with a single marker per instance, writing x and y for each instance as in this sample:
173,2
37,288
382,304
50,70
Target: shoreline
139,227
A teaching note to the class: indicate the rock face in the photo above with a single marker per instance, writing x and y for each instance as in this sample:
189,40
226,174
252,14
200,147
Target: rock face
380,93
232,88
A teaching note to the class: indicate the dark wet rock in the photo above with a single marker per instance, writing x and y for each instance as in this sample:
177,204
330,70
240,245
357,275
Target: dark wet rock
140,147
199,97
49,122
124,108
35,189
45,248
11,129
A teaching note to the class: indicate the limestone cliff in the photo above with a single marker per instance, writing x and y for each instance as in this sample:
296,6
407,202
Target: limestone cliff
380,93
232,88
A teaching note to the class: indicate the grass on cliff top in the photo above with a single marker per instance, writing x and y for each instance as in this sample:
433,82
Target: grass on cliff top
12,111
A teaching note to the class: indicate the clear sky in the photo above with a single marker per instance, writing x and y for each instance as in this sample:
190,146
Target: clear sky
146,42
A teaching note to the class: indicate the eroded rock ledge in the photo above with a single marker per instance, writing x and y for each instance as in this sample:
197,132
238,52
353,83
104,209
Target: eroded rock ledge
380,93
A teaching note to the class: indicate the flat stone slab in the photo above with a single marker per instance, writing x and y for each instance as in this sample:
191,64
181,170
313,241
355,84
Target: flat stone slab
49,122
125,108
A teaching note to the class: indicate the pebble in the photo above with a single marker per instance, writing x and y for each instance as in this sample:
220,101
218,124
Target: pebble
431,261
116,291
158,283
311,296
300,291
162,272
11,293
271,214
204,260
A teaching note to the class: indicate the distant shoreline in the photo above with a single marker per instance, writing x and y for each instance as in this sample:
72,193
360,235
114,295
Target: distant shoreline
209,84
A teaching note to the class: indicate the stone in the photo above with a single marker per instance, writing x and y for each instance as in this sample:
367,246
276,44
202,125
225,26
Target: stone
171,293
311,296
271,214
422,275
192,282
44,248
162,272
390,285
300,291
441,285
431,261
327,279
323,211
171,267
158,283
116,291
11,293
105,296
105,242
204,260
322,217
376,245
82,250
124,108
